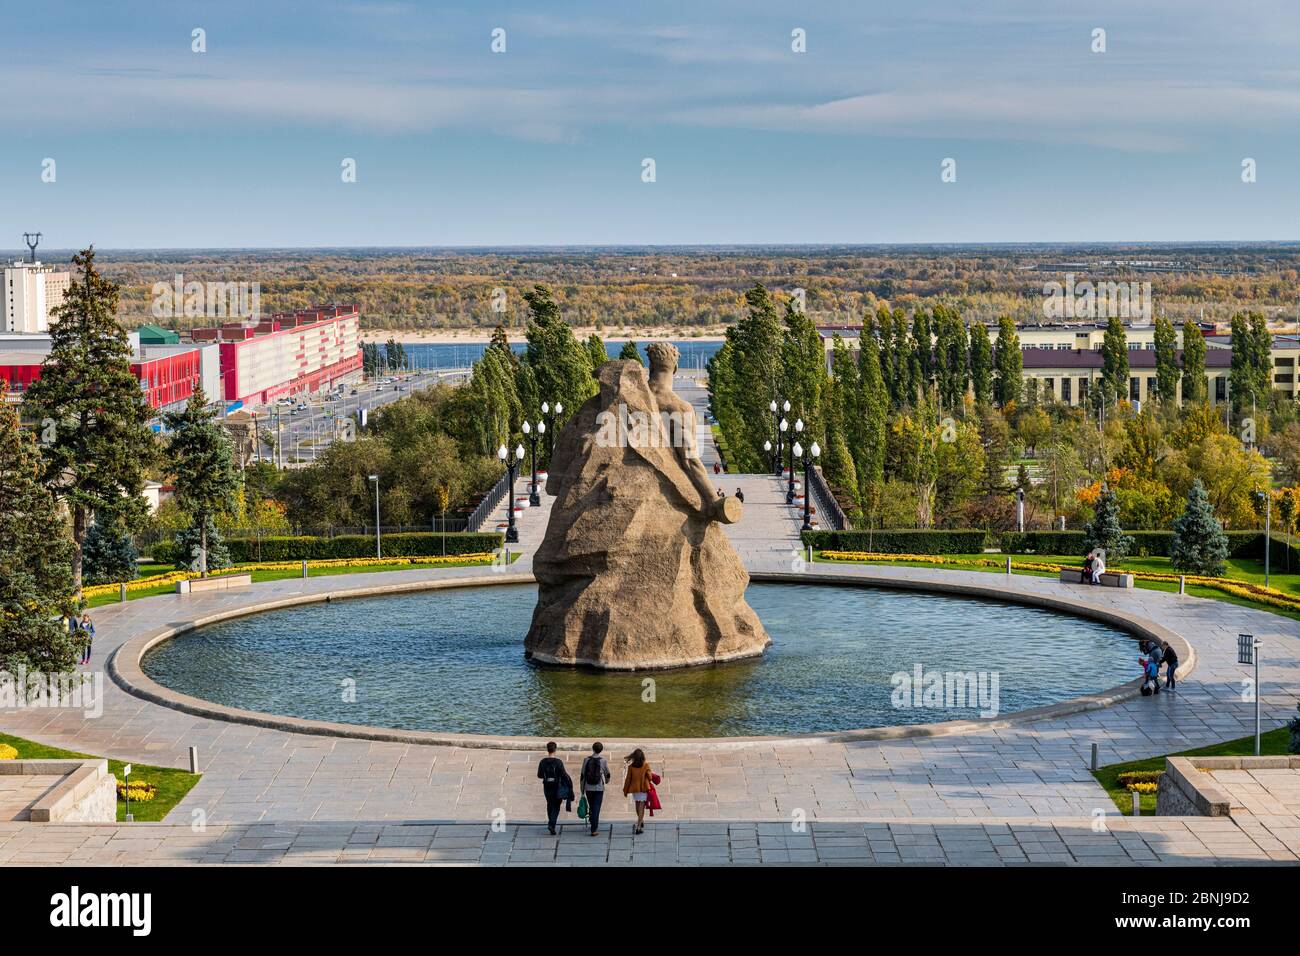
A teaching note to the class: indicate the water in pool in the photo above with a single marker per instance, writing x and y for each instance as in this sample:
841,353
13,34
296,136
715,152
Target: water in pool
452,660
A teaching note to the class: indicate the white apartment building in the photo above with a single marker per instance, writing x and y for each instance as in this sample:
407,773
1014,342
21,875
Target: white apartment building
31,293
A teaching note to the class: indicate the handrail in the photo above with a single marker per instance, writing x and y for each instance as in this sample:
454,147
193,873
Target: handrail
827,506
489,503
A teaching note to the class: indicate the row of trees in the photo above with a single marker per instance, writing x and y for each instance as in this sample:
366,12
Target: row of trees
930,422
73,484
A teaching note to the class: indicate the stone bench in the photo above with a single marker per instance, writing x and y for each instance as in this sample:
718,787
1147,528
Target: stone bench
222,582
1110,579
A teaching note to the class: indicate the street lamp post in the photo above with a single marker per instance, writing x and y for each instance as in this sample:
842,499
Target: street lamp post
798,430
511,460
1268,528
534,499
806,455
379,551
1248,653
549,419
776,438
767,447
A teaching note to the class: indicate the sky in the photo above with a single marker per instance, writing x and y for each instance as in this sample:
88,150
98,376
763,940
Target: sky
155,145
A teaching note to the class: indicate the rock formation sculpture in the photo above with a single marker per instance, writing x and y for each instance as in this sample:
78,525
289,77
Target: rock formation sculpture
635,571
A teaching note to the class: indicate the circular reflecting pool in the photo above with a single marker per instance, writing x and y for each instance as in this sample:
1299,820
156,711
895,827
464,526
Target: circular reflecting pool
841,658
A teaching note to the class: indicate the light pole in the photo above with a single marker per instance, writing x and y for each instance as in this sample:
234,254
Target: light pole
534,499
1248,653
1020,509
379,552
798,430
767,447
776,438
1268,528
549,420
511,460
806,455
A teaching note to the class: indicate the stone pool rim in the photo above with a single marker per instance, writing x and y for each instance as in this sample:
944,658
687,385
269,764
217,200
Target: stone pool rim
124,665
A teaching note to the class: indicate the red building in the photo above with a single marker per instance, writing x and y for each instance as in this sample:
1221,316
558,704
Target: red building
166,380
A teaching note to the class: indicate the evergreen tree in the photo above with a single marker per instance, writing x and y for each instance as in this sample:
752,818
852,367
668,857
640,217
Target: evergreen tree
201,548
630,353
1193,363
596,353
201,456
1104,532
1166,343
96,441
744,376
36,586
1199,545
501,340
803,369
560,364
981,363
1114,362
109,554
1010,363
869,444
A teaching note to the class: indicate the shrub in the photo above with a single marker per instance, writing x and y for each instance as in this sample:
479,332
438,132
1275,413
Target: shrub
1241,544
1104,531
188,544
1131,778
312,548
898,542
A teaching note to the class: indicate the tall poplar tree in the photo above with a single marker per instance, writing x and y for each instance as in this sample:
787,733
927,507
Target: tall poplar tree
981,363
201,456
36,585
1166,343
1114,361
560,364
1010,363
1193,363
96,443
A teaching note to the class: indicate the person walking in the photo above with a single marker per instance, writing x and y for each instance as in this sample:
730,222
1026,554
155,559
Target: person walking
86,627
556,784
637,785
594,776
740,496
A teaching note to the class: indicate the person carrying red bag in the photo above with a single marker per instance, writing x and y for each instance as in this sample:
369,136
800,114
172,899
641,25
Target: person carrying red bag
639,784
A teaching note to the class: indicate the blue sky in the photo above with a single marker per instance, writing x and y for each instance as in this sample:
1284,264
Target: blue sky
157,146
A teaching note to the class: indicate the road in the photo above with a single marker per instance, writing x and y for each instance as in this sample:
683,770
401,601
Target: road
303,433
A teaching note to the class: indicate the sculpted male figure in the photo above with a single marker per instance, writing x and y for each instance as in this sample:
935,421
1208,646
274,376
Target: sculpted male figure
635,571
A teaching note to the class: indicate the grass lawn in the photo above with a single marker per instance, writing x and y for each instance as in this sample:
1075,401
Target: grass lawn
1241,569
172,784
1271,744
281,575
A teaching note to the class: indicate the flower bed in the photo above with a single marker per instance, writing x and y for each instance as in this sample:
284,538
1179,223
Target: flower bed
171,577
140,791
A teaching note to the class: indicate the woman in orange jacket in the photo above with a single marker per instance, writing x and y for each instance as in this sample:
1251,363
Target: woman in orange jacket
637,784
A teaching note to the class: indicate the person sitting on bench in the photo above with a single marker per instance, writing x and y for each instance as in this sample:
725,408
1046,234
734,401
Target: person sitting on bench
1098,567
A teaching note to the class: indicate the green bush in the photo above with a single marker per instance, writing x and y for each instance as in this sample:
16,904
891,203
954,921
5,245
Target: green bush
898,542
308,548
1241,544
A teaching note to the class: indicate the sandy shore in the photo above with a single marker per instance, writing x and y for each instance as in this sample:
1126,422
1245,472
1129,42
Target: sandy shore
479,336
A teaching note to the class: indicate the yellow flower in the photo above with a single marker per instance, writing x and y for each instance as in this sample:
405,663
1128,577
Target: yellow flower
7,752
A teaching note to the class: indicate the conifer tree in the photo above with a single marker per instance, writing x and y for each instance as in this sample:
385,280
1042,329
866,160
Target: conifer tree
1199,545
1104,531
36,586
201,456
109,554
630,353
96,443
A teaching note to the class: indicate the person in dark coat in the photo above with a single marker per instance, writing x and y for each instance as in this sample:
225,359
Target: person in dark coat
557,786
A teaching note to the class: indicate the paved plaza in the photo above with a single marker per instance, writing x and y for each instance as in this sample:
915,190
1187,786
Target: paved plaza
1012,794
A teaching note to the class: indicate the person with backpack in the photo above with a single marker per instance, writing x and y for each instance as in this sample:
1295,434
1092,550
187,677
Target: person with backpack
556,785
1151,675
637,784
594,776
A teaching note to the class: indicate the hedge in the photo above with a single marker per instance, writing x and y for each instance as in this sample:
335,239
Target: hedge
898,542
308,548
1241,544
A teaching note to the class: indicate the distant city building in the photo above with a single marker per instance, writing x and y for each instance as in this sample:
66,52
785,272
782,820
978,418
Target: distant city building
32,292
288,353
156,335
